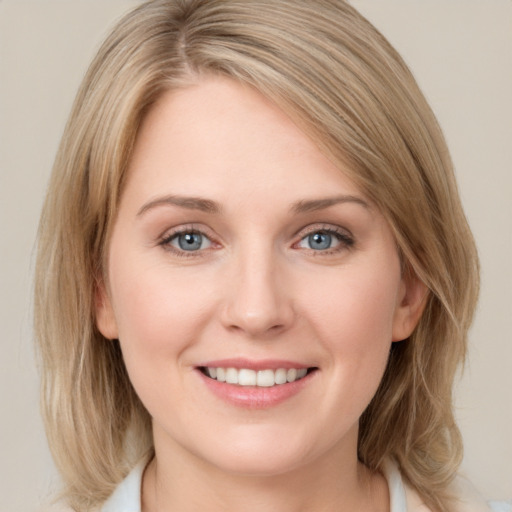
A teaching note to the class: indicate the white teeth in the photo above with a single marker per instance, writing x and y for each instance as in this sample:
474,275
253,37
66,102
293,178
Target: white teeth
231,376
280,377
301,373
291,374
265,378
221,374
247,377
261,378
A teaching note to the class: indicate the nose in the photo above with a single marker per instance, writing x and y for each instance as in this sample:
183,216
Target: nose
258,301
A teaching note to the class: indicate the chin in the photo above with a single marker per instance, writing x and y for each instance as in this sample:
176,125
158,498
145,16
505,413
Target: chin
260,454
259,465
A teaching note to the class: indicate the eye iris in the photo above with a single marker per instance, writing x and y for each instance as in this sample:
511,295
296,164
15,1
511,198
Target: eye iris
190,241
320,241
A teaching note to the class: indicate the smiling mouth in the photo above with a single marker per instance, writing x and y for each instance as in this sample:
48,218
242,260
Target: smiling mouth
256,378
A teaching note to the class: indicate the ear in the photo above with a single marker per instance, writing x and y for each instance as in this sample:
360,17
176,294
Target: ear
105,318
411,302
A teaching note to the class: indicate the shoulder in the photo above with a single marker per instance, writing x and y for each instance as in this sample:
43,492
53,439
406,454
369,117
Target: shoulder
127,496
54,507
60,507
501,506
469,500
466,499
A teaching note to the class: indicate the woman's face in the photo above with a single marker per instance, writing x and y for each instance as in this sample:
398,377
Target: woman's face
240,252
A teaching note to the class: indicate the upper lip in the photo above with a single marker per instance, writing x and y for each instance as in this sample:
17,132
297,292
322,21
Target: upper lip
251,364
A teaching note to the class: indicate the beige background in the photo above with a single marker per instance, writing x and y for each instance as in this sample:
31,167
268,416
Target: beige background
461,53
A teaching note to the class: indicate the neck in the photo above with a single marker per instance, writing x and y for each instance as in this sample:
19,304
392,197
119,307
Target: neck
338,484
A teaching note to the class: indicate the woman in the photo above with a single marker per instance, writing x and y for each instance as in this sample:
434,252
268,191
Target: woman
255,277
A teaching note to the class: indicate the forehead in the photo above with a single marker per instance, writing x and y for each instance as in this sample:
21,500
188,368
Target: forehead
217,136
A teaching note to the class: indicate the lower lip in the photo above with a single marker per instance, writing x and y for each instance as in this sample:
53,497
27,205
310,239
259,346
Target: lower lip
253,397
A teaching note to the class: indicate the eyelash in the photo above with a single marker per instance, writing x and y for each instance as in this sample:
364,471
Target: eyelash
166,240
346,240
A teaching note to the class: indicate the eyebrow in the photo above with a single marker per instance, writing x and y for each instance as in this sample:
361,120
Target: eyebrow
190,203
321,204
209,206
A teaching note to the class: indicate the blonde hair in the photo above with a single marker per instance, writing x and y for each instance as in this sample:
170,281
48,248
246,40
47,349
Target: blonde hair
330,69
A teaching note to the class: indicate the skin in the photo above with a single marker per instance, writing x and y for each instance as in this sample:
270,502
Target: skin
255,289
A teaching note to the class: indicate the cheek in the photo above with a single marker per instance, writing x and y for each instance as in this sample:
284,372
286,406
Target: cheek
159,316
356,308
159,312
353,320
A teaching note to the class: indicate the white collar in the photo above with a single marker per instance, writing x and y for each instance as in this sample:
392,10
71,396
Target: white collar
398,500
127,496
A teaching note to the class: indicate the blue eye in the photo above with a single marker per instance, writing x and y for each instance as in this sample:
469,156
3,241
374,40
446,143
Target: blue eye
189,241
320,241
324,240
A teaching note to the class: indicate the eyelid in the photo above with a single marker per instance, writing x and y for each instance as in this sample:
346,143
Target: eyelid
323,226
344,235
165,239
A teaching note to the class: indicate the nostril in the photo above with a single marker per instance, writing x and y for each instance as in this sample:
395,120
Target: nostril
257,306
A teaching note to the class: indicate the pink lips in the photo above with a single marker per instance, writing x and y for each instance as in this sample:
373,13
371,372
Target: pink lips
254,397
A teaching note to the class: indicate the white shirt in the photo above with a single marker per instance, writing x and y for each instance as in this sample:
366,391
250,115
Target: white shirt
127,496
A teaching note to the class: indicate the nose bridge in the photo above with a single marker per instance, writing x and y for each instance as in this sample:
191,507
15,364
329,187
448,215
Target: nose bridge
258,301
